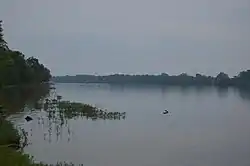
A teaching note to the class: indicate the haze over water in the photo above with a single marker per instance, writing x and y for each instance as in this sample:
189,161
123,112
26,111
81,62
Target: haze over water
206,126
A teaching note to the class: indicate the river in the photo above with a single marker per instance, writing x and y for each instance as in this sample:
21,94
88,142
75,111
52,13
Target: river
205,127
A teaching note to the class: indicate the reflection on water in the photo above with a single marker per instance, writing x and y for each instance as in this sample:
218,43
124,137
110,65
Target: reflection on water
15,99
208,126
244,93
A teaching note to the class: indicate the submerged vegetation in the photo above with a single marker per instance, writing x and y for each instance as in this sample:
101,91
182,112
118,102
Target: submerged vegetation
54,113
72,109
57,114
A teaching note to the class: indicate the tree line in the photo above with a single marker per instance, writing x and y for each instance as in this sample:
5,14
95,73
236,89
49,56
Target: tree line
15,69
222,79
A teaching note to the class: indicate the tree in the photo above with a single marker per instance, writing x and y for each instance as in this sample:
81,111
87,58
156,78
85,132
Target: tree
222,79
243,79
15,69
3,43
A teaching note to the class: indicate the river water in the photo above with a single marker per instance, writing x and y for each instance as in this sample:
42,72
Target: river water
205,127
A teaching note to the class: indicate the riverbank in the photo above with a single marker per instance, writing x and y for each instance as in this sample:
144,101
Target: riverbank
10,143
11,153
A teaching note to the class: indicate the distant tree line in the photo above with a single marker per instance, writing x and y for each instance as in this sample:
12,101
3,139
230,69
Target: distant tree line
16,69
222,79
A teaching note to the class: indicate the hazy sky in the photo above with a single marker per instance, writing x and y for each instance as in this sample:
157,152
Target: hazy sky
131,36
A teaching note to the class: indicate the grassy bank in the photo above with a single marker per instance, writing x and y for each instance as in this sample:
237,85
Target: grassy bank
10,153
10,141
9,136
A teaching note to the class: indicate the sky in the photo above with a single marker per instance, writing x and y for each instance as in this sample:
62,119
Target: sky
131,36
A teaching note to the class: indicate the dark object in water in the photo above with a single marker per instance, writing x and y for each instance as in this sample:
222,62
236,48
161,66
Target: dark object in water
165,112
28,118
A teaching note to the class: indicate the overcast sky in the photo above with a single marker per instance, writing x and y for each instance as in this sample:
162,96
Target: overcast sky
131,36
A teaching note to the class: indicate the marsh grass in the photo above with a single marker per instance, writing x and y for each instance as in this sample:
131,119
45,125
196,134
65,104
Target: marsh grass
10,148
73,109
11,157
10,143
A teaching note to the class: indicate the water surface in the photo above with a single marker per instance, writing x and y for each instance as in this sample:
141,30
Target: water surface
206,126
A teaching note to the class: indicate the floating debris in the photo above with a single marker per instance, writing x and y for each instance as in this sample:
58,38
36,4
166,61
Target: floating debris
165,112
28,118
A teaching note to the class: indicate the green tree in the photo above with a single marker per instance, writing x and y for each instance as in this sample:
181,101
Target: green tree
243,79
15,69
3,43
222,79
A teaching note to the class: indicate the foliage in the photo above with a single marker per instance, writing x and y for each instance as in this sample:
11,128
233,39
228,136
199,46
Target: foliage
16,70
222,79
11,157
8,134
242,80
15,99
3,43
74,109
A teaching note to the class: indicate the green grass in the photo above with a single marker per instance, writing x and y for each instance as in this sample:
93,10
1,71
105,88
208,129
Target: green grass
9,156
8,134
9,138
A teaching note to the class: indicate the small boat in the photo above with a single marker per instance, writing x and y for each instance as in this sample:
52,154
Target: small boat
165,112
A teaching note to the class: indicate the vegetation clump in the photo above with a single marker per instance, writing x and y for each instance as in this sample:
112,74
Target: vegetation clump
68,110
11,157
72,109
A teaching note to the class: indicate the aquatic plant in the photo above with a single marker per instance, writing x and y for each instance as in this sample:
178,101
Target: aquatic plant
57,114
72,109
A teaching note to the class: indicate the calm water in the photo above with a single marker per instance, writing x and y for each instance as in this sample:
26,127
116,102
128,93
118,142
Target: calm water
206,127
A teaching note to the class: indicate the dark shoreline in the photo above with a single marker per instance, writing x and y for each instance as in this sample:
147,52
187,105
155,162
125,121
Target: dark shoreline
242,80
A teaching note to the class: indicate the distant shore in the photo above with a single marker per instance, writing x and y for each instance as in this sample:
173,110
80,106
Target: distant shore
222,79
